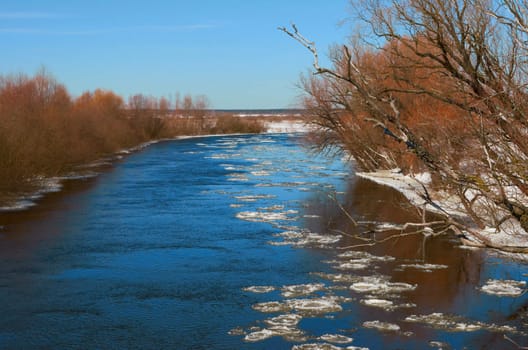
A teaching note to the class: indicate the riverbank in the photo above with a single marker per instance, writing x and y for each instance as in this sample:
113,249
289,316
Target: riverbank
509,238
22,200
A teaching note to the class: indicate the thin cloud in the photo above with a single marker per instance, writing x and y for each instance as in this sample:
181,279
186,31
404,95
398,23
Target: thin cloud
116,30
29,15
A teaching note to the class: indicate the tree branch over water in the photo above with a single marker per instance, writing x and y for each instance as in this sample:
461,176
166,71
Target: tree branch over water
435,86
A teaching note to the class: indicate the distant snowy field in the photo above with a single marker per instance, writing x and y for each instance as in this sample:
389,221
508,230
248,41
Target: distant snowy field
287,126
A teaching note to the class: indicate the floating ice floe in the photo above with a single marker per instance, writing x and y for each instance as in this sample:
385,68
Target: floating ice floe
337,277
258,216
254,198
315,306
260,173
424,267
222,156
382,326
336,339
439,345
237,331
504,288
259,335
380,286
237,177
381,303
301,289
385,304
365,256
272,307
284,326
307,307
305,238
324,346
358,264
259,289
455,323
286,320
316,346
272,208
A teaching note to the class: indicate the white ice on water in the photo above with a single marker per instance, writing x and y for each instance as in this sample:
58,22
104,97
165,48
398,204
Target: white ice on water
381,326
306,307
324,346
336,339
259,289
303,238
456,323
424,267
504,288
297,290
259,216
379,285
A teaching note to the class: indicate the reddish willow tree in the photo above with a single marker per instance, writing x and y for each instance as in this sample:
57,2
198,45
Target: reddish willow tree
437,86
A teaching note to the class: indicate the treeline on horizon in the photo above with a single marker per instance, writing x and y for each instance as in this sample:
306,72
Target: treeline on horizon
45,132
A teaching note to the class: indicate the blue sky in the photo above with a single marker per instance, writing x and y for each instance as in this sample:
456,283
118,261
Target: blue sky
229,50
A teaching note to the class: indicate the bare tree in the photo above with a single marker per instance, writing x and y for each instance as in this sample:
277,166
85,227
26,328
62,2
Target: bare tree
435,85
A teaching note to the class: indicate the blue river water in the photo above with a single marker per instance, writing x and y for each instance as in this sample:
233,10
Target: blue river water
239,242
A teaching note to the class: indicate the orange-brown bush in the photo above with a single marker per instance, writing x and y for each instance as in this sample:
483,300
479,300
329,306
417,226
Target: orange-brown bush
440,86
46,132
393,72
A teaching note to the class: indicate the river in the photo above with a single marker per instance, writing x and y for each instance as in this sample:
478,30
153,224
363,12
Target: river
240,242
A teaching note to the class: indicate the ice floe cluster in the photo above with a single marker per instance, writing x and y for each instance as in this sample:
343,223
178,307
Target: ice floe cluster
276,181
382,326
456,323
509,288
305,238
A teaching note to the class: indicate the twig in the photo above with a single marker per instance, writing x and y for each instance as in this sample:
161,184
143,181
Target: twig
514,343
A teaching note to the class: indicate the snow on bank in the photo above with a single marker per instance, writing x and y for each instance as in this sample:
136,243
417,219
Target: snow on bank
412,187
287,126
44,186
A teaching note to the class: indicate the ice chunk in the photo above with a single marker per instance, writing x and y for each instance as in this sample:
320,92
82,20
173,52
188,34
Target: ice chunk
259,335
365,256
336,338
504,288
315,346
380,286
315,306
301,289
424,267
258,216
259,289
272,306
306,238
287,320
382,326
456,323
381,303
